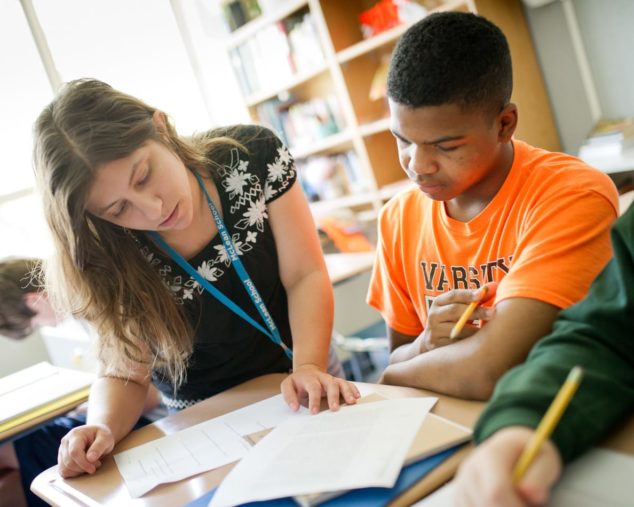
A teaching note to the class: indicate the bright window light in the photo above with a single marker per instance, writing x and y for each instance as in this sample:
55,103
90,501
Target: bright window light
24,91
134,45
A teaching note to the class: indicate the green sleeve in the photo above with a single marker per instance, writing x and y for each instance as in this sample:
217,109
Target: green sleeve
598,334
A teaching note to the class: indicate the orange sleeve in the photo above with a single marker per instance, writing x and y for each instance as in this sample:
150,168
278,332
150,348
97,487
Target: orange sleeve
564,243
388,291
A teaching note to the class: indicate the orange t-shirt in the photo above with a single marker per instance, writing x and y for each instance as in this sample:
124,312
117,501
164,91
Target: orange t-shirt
545,236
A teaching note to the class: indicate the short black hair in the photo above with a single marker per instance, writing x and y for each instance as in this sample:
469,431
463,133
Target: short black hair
451,58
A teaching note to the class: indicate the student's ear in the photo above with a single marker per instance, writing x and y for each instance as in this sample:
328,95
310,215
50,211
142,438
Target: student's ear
507,122
31,300
160,122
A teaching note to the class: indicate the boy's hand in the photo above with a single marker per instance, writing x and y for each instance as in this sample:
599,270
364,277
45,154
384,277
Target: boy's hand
447,309
81,450
308,384
484,478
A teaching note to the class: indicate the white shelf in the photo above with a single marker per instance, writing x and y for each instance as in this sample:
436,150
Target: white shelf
238,36
320,208
259,97
365,46
375,127
322,145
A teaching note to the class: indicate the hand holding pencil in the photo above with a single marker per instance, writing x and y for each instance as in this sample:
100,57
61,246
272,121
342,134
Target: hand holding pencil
517,465
464,318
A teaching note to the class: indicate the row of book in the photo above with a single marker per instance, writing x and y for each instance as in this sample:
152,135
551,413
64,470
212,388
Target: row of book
329,177
300,124
276,53
237,13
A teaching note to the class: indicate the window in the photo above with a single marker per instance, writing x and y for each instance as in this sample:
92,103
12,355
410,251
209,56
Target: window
133,45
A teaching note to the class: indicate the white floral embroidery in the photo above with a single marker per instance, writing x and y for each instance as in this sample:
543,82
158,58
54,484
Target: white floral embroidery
276,170
247,191
284,155
207,271
235,182
255,215
222,256
269,192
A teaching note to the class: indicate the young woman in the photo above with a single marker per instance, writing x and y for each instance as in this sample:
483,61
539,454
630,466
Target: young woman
196,259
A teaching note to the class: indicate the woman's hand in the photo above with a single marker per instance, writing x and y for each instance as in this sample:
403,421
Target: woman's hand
308,384
446,310
82,449
485,476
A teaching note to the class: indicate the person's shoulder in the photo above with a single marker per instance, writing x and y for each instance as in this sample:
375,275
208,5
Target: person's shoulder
245,134
557,172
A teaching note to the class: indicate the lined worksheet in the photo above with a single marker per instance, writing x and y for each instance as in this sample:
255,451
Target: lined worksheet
202,447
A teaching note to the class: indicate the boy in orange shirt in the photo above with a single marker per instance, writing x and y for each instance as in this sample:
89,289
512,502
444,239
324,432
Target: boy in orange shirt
487,209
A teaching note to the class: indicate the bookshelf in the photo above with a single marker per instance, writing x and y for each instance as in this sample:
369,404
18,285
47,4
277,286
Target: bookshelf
306,70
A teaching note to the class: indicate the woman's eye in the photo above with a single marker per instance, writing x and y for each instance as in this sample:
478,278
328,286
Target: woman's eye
145,177
121,209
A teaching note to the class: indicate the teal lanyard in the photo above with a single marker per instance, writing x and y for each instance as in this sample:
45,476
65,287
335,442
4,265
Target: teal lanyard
272,332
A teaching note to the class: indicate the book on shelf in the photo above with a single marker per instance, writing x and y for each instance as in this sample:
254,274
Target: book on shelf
276,53
301,123
239,12
304,42
38,389
608,138
326,177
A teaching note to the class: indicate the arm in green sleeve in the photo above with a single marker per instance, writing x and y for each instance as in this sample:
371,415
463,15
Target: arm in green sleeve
598,334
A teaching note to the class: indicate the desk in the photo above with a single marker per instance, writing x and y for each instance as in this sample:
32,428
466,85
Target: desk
619,167
47,415
342,266
107,488
38,393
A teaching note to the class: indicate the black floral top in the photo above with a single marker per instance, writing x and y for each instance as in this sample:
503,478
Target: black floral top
227,349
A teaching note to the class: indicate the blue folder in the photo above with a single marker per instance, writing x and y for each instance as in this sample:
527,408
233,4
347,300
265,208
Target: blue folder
366,497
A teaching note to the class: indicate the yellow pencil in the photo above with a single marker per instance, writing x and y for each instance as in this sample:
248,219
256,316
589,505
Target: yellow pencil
548,422
467,314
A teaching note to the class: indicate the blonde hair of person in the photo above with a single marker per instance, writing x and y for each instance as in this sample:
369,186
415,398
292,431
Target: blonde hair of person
98,272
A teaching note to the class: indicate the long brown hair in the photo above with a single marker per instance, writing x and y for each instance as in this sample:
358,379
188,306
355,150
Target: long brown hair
98,272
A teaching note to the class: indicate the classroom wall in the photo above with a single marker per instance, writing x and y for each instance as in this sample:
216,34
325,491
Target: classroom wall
606,32
18,354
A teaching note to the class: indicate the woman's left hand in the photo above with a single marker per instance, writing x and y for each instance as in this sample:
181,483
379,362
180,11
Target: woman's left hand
309,383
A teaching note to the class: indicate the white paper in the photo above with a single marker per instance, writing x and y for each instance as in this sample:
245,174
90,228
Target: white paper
358,446
202,447
599,478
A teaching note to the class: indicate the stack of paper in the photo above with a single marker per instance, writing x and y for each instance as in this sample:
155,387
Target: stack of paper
359,446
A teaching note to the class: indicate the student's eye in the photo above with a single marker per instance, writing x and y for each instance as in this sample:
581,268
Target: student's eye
446,149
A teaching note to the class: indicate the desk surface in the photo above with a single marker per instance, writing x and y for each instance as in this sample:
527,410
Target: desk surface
614,164
342,266
106,487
